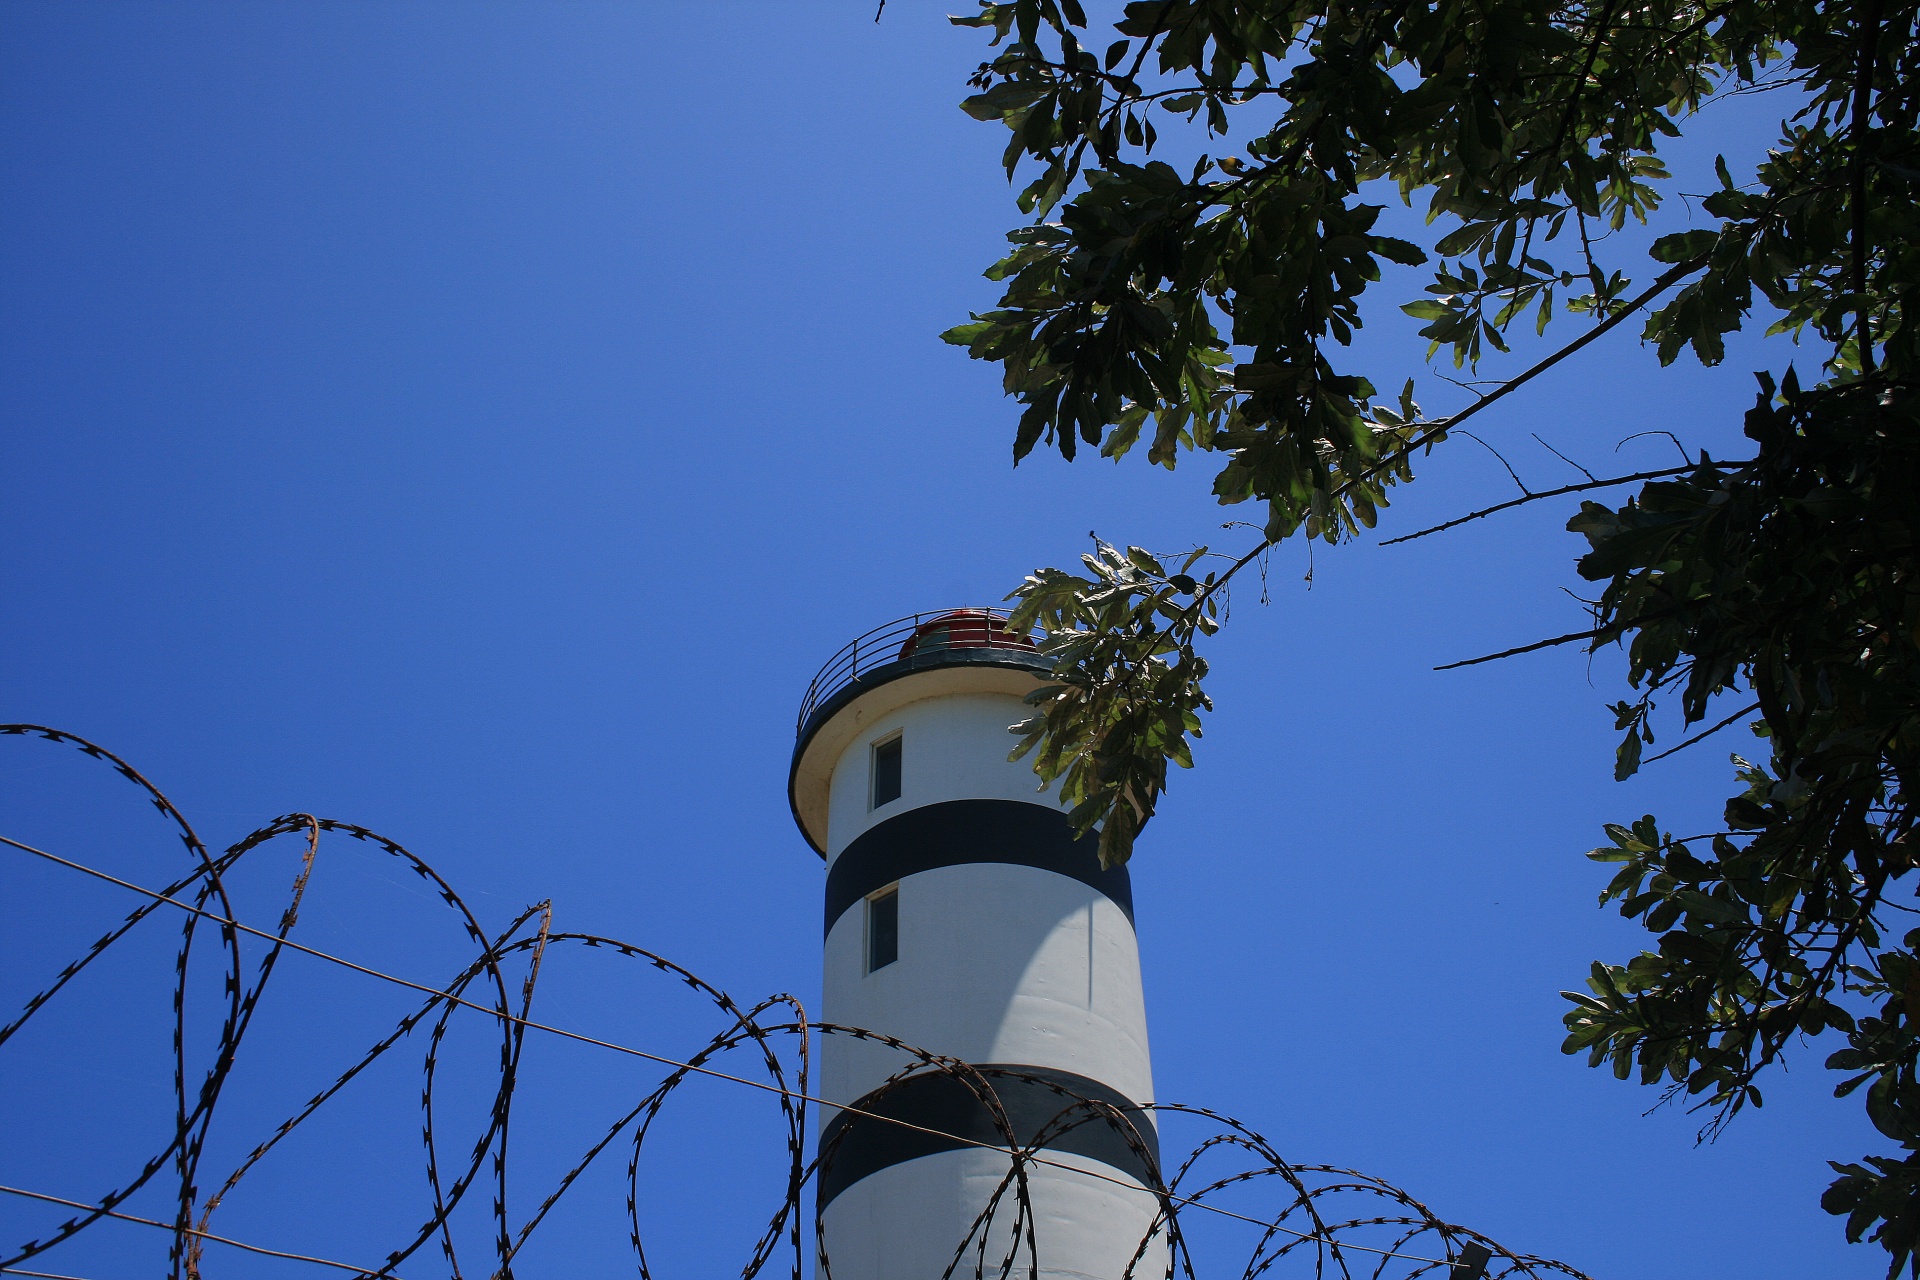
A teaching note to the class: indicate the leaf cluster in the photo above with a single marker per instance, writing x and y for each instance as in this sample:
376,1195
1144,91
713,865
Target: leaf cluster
1212,303
1128,684
1791,580
1209,307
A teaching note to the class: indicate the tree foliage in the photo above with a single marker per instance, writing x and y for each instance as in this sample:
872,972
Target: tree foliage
1208,308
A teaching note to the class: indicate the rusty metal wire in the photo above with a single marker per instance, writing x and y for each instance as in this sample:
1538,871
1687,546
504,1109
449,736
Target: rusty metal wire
1323,1220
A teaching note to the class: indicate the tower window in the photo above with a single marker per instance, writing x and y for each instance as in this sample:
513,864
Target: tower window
883,928
886,771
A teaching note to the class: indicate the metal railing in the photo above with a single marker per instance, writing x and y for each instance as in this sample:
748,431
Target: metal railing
924,635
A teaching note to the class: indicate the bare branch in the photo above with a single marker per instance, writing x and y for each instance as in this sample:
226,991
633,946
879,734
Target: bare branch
1553,493
1704,733
1639,434
1563,457
1857,131
1438,429
1525,648
1502,459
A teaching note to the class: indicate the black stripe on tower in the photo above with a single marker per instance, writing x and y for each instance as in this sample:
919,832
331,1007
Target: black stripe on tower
1058,1109
956,832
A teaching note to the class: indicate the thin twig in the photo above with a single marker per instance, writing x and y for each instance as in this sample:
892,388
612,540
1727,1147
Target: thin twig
1525,648
1705,733
1857,136
1639,434
1438,429
1549,493
1563,457
1502,460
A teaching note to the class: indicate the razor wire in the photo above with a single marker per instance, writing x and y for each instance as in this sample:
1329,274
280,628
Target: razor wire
1328,1222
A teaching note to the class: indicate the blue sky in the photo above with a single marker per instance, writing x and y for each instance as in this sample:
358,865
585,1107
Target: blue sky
477,422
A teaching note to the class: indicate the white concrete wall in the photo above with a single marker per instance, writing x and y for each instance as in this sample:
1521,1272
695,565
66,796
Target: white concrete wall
955,748
1084,1228
996,965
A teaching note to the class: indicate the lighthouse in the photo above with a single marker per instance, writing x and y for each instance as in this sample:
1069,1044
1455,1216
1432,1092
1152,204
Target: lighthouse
964,920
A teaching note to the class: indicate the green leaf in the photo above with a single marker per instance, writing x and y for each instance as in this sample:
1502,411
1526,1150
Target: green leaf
1229,305
1626,757
1004,98
1683,246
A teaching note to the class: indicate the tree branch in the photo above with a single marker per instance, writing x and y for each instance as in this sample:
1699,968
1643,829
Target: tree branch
1440,428
1862,107
1573,105
1189,614
1555,493
1525,648
1569,461
1704,733
1666,281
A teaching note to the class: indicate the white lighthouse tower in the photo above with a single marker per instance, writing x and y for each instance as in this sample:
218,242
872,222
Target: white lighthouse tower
962,918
